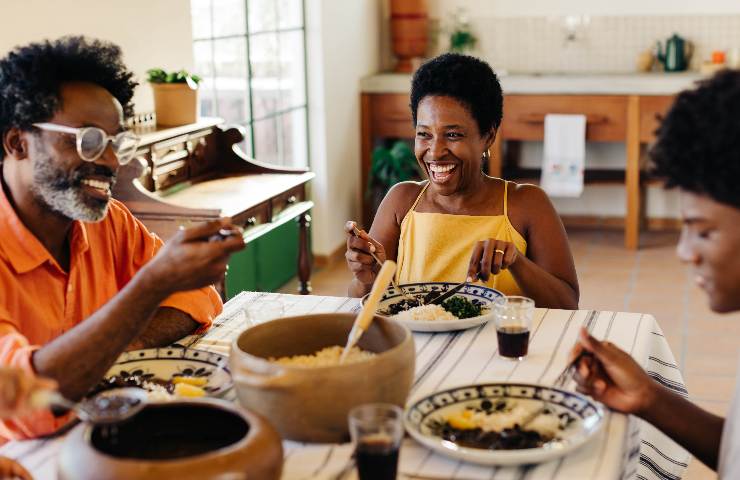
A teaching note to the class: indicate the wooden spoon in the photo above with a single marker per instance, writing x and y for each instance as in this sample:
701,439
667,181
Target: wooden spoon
365,317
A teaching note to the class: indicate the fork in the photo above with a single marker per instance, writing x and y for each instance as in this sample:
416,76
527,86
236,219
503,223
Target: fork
559,382
407,296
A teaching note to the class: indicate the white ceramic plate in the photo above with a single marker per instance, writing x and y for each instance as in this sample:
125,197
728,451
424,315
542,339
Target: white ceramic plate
586,419
165,363
484,296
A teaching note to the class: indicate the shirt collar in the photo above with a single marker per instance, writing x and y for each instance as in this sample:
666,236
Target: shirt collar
23,250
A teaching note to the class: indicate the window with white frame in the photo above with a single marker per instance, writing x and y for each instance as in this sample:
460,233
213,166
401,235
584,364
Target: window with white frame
251,55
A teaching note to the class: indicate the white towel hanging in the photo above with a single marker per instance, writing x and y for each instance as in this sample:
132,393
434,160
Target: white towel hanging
564,156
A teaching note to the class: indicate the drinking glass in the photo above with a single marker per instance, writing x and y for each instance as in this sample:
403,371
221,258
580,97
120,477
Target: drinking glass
513,319
263,311
377,431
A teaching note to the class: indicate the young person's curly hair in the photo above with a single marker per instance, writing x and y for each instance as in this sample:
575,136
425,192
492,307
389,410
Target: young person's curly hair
30,77
468,80
698,141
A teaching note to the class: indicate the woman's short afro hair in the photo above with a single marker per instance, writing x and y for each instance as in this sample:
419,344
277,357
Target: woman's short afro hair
698,141
30,77
467,79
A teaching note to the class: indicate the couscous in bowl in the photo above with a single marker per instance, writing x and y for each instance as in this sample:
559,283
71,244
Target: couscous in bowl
311,403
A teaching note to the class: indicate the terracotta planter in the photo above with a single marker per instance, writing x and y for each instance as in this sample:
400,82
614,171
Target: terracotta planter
311,404
409,31
185,440
175,103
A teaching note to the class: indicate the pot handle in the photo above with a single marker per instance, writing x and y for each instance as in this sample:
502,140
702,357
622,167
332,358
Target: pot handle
281,379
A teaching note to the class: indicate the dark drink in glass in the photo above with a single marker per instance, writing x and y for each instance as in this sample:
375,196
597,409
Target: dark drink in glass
376,430
513,341
377,459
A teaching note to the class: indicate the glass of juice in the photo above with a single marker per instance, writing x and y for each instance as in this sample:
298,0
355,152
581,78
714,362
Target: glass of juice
377,431
513,319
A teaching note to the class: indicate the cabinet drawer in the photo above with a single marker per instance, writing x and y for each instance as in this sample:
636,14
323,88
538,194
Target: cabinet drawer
524,115
650,109
254,216
391,116
285,200
170,174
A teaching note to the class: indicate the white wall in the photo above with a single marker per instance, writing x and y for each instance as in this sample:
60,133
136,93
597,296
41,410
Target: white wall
151,33
343,46
515,8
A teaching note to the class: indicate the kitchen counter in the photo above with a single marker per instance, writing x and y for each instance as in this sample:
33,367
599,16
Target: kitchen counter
559,83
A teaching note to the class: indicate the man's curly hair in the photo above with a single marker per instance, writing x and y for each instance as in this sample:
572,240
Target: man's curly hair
469,80
698,144
30,78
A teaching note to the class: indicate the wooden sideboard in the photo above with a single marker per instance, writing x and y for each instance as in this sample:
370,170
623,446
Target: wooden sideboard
197,172
629,119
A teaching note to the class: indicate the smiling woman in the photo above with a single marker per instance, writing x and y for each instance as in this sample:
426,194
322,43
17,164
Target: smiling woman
461,223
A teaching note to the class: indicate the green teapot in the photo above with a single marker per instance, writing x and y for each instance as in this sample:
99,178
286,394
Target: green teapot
677,53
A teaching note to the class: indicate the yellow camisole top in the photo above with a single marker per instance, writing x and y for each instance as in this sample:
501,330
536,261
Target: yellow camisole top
436,247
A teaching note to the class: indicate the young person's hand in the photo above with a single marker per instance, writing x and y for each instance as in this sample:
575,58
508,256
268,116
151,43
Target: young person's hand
12,470
359,245
16,389
613,377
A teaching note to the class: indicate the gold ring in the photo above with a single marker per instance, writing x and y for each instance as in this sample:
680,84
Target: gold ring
498,250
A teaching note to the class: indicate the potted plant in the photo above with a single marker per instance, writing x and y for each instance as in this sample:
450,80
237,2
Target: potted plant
390,166
175,96
462,39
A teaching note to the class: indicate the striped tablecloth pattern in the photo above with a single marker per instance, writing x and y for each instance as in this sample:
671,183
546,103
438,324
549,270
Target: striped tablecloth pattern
626,448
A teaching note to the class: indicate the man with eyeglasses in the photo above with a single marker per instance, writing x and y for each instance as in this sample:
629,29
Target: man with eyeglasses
81,279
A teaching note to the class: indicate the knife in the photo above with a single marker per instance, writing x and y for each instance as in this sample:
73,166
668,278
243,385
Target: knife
447,294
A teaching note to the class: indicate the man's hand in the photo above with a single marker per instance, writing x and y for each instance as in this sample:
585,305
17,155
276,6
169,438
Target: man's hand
613,377
194,258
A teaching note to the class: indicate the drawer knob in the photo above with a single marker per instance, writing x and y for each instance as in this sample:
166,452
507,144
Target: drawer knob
291,200
252,221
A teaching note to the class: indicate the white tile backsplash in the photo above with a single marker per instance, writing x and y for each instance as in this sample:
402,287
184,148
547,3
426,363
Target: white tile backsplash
604,44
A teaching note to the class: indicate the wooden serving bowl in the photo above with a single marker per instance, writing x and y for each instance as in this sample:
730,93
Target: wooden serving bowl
311,403
186,440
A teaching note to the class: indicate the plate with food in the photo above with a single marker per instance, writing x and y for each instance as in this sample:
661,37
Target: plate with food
469,307
504,423
170,373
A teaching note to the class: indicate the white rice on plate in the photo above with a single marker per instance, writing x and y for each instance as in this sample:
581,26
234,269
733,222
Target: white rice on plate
426,312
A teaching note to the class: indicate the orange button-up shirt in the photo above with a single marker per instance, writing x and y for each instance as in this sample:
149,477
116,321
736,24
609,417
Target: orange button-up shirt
39,301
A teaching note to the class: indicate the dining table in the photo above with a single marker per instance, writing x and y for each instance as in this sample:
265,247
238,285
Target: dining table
625,448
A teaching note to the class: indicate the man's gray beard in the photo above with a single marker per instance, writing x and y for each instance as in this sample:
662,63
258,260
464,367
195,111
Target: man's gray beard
61,192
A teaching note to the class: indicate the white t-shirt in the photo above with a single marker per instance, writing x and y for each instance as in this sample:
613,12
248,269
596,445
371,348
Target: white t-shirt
729,448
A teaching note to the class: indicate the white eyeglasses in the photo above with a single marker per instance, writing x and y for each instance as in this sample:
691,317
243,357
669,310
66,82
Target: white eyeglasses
92,141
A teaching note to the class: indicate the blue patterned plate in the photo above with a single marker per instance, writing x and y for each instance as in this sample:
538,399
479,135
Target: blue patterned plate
483,296
164,363
579,417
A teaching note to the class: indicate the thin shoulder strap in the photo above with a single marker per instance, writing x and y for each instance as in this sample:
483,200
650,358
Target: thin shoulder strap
413,206
506,198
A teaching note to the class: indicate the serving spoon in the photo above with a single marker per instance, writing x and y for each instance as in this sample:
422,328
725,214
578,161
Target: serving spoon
108,407
365,317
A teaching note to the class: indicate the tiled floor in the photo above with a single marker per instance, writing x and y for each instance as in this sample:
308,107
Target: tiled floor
651,280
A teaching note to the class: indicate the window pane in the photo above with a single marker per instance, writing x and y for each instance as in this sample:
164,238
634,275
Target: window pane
200,12
292,70
230,57
228,18
263,51
290,13
202,54
265,140
262,15
293,145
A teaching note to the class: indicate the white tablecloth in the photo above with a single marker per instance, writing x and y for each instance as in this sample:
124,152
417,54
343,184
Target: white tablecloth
627,447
